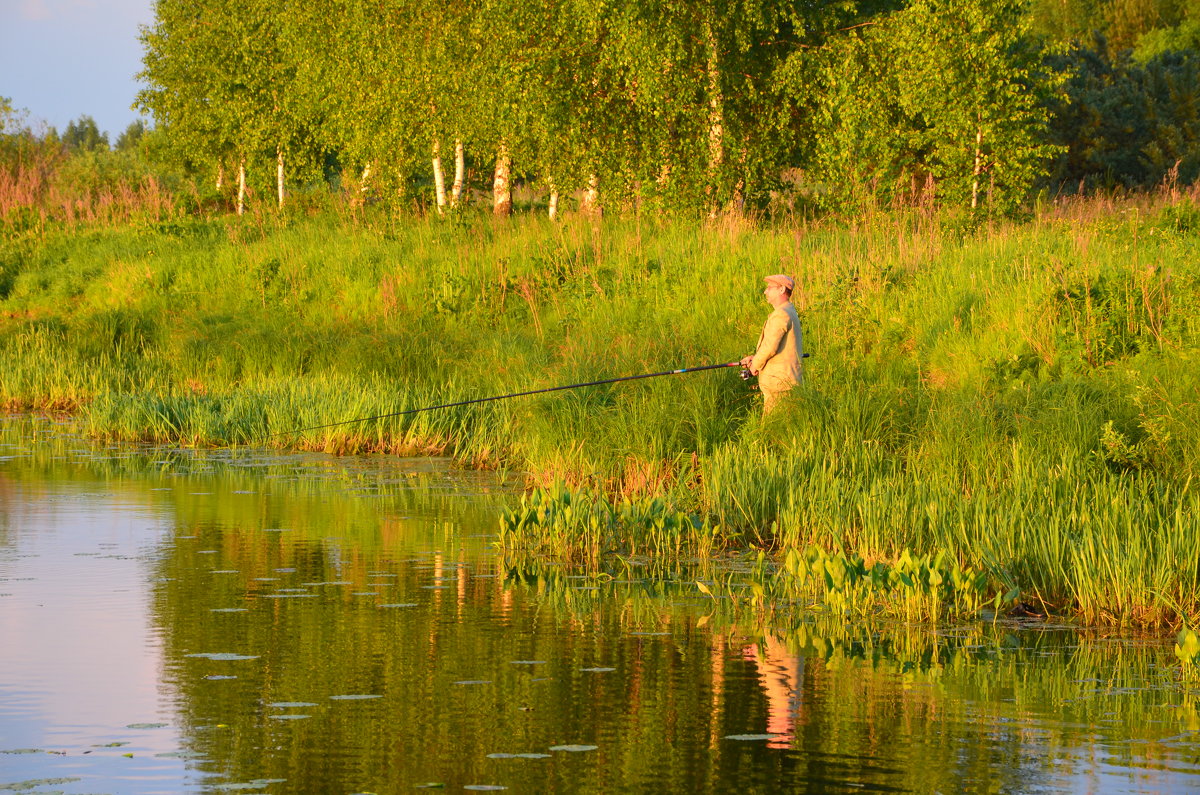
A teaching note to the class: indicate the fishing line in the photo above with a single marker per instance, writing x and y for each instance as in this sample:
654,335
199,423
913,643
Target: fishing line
511,395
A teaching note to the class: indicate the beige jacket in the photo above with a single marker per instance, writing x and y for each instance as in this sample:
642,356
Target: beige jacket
780,350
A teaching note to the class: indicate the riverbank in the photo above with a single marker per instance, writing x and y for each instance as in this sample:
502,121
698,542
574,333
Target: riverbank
1021,399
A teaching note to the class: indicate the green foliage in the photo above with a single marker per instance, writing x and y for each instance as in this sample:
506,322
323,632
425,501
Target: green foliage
83,135
937,100
1125,123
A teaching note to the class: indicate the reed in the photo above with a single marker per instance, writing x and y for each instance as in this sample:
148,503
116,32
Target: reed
1021,398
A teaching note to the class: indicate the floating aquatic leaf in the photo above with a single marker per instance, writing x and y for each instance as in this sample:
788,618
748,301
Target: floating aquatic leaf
217,677
33,783
288,717
354,697
474,682
401,604
753,737
597,670
111,745
518,756
527,662
228,610
290,704
147,725
224,656
258,783
574,748
23,751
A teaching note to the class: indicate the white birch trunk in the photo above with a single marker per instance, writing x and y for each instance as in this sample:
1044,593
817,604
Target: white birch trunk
553,211
439,178
220,175
978,166
362,181
716,120
460,174
502,183
241,201
590,205
279,175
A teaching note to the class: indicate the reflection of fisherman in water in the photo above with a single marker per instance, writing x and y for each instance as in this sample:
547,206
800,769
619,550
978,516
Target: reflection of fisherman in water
781,674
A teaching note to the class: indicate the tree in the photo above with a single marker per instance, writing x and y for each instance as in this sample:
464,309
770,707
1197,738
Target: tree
83,135
132,136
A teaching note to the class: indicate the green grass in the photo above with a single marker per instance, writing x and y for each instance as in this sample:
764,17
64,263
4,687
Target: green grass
1022,399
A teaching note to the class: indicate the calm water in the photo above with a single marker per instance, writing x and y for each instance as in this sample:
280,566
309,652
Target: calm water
175,621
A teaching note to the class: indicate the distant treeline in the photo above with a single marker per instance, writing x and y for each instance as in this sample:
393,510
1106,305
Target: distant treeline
684,105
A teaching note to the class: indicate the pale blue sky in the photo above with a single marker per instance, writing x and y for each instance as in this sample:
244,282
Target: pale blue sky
61,59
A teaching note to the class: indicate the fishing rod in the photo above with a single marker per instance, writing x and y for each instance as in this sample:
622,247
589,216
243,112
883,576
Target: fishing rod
680,371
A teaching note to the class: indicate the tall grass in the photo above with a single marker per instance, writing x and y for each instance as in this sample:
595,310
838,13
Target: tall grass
1022,397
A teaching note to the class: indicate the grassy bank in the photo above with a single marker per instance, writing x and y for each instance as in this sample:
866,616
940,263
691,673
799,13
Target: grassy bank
1022,398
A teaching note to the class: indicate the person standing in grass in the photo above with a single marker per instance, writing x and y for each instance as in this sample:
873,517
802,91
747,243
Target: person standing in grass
776,360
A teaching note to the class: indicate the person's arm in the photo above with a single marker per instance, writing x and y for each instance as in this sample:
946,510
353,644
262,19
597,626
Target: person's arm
773,332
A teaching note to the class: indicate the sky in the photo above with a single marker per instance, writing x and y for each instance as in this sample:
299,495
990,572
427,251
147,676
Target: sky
61,59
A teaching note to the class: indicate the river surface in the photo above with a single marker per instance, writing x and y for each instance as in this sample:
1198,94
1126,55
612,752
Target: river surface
244,621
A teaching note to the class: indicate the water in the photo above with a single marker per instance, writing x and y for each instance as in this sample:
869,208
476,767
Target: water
175,621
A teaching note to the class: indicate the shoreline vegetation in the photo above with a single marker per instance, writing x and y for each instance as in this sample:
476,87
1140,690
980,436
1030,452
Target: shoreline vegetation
996,416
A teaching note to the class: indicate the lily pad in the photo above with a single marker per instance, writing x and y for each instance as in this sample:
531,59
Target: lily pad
111,745
224,656
574,748
23,751
258,783
33,783
354,697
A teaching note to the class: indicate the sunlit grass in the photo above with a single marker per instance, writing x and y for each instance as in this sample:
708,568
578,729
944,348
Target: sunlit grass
1022,399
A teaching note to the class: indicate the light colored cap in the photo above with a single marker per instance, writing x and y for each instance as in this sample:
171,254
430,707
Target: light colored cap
781,280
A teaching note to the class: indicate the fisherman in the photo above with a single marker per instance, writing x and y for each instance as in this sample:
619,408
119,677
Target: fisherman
776,360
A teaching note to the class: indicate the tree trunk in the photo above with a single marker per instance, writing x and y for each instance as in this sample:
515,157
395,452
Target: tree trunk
978,165
553,211
460,173
590,205
279,175
439,177
241,201
362,181
220,175
502,184
716,121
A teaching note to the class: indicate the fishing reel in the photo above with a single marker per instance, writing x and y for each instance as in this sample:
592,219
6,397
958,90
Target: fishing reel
745,374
